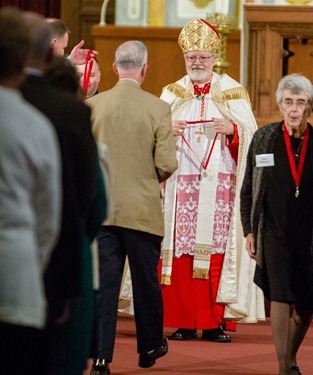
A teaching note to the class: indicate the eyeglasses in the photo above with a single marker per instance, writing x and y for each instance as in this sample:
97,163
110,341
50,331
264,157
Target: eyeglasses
202,59
298,103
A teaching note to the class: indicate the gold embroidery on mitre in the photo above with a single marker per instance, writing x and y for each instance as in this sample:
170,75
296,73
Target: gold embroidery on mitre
199,35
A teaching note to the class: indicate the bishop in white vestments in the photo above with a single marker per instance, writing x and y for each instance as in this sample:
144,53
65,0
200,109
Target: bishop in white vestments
206,273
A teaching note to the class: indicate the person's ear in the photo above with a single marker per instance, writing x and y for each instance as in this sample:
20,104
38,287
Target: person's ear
114,68
144,70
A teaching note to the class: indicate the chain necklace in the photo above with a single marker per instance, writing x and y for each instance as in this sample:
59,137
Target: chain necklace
296,153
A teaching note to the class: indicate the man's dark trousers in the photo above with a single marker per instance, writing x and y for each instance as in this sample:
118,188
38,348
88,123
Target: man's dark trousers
143,251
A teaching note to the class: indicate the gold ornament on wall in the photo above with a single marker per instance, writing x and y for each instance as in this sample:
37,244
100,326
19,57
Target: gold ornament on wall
156,12
224,24
201,3
298,2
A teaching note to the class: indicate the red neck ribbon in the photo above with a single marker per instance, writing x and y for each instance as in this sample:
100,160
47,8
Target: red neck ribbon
206,163
87,72
296,172
201,91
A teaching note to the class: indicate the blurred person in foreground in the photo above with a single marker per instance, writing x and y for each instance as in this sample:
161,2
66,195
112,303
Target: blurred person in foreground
136,127
68,278
276,201
204,264
76,341
61,73
30,205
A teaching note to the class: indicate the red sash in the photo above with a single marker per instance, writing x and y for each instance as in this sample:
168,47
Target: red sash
296,172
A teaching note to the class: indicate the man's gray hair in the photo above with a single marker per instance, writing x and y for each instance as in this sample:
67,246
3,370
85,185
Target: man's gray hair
297,84
131,55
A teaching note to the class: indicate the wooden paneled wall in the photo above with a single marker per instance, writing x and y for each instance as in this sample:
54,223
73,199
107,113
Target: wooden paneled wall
269,27
165,59
280,43
81,15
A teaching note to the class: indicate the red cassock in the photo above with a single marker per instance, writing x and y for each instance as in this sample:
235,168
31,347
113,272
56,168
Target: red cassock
190,303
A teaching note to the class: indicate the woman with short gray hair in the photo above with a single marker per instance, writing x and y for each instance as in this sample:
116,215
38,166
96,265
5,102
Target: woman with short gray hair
276,201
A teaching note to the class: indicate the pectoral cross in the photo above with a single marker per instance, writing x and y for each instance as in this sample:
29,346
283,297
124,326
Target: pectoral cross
199,132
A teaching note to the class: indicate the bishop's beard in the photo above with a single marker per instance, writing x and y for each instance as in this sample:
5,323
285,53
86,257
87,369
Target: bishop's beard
199,74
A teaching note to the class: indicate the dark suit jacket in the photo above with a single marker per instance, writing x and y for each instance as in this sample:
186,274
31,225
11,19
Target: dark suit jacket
71,119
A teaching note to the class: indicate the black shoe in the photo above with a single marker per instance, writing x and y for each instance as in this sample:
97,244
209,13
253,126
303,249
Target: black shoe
148,359
99,367
183,334
215,335
295,368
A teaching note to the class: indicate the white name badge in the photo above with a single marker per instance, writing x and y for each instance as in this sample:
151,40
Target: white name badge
264,160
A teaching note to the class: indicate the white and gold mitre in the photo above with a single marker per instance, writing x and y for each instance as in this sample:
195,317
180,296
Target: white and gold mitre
199,35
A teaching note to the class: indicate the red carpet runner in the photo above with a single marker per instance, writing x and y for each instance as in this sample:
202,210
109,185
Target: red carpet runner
251,352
